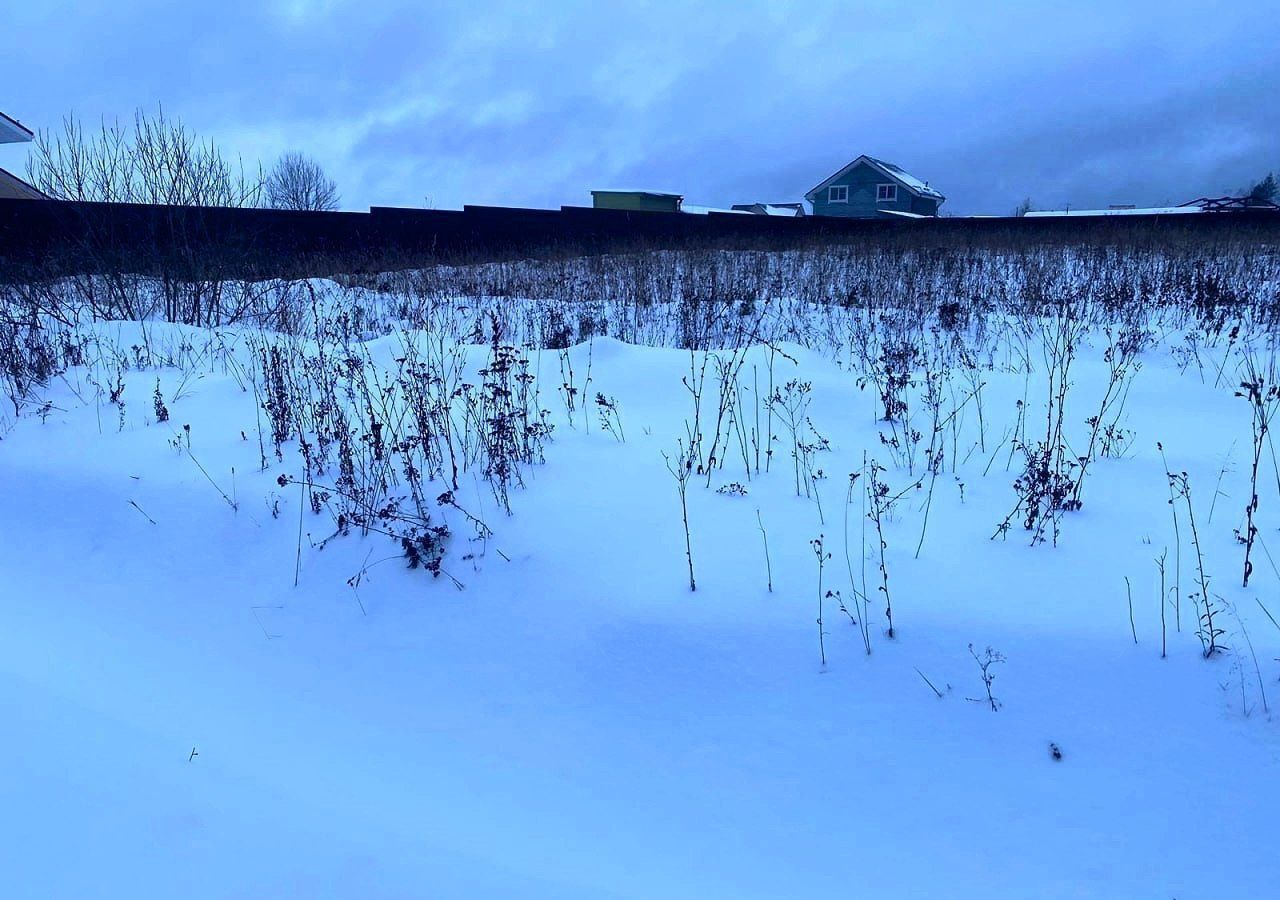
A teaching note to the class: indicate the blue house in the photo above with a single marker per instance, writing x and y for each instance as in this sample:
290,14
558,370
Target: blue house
871,188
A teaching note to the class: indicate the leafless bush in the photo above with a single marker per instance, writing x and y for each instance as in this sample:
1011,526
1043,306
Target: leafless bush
1046,488
157,160
298,182
381,447
31,354
178,274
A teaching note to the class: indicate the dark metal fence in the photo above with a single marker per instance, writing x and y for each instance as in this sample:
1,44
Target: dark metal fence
58,237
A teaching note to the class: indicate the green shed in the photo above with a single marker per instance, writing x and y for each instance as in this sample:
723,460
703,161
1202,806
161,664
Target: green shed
640,201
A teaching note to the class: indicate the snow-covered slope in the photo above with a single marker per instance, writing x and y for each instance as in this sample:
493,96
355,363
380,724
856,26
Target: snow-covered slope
558,715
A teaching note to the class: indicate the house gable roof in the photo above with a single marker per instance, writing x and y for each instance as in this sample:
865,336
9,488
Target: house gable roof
889,170
12,131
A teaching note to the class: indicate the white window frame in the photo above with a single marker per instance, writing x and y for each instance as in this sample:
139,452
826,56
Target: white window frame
893,193
831,193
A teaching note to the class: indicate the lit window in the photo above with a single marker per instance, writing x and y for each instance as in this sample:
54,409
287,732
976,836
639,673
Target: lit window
838,193
886,192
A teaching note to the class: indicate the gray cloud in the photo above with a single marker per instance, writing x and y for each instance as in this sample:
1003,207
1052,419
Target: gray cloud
536,103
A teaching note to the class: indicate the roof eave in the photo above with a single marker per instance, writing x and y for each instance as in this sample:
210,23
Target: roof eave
12,131
22,187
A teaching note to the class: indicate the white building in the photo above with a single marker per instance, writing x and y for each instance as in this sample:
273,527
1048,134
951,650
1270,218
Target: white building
1117,211
11,186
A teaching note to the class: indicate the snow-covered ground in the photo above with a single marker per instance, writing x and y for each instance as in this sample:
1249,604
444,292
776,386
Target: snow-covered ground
559,715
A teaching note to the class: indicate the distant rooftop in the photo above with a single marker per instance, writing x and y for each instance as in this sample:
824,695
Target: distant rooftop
704,210
1130,211
788,210
642,191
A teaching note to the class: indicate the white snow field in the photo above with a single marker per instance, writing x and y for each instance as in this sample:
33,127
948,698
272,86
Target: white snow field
557,714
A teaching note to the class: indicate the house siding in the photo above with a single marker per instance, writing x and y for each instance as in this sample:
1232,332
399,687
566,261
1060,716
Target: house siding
924,206
862,181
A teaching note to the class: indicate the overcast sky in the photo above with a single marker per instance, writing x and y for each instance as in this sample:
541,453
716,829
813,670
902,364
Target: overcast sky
446,103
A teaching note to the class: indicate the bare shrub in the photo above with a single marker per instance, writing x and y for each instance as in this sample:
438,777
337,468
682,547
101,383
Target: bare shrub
298,182
156,160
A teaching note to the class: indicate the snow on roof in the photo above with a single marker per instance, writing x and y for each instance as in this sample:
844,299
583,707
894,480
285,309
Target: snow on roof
1149,211
903,214
703,210
788,210
911,181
